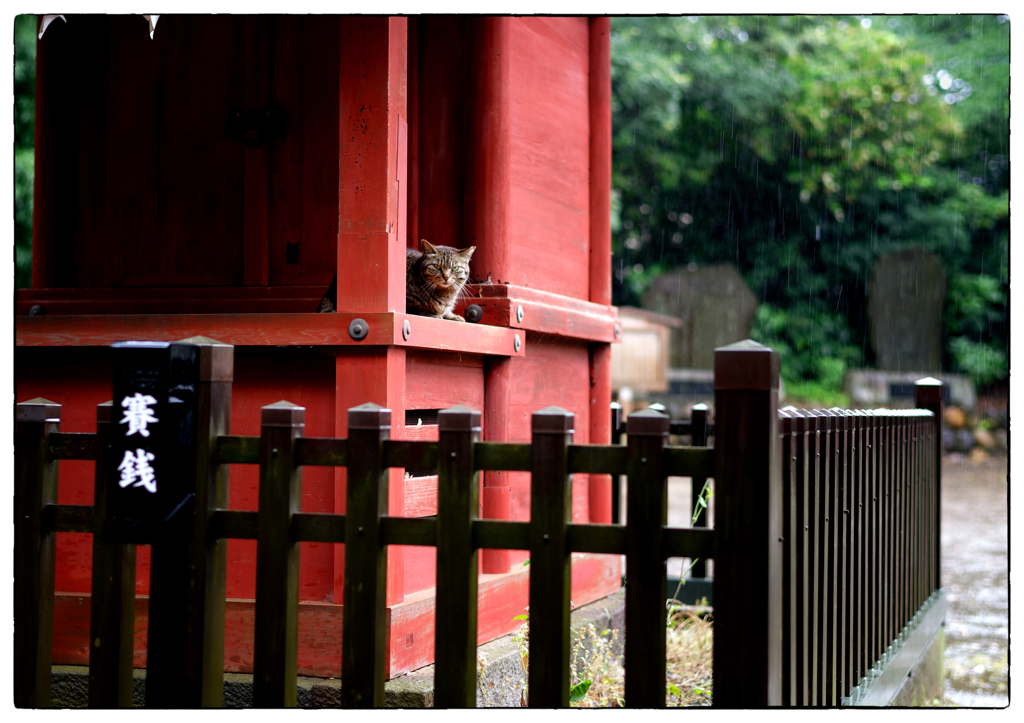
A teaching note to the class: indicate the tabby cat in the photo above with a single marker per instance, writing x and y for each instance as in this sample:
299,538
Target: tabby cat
433,281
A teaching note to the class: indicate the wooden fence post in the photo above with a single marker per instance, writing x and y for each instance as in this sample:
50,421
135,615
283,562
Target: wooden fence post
646,515
35,486
928,394
275,655
458,493
550,507
748,528
207,585
112,603
616,479
364,642
699,438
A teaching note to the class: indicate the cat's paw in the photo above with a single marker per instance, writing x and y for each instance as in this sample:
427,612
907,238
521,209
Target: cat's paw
453,317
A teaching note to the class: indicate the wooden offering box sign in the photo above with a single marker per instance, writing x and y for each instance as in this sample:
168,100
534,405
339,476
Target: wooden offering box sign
155,222
154,438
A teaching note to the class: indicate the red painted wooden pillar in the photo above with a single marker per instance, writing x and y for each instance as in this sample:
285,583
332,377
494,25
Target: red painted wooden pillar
489,227
373,141
488,177
496,497
600,252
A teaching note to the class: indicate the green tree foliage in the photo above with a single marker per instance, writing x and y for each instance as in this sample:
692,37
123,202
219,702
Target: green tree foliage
24,134
802,148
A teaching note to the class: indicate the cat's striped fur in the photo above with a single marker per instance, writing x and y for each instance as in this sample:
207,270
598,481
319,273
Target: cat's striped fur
433,281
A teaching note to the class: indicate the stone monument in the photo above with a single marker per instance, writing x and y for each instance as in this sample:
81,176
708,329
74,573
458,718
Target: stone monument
905,310
714,305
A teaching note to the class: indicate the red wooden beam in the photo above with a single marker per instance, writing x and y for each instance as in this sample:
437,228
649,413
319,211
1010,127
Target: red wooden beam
542,311
270,330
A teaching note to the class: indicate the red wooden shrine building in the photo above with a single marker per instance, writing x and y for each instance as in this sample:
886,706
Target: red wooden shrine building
213,179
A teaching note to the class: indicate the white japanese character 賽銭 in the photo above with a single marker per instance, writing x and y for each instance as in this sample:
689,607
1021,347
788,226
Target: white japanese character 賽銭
138,414
136,470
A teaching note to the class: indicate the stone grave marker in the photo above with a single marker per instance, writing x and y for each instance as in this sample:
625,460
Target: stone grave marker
714,305
905,310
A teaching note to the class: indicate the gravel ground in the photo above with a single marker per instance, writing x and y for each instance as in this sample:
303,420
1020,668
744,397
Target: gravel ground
975,573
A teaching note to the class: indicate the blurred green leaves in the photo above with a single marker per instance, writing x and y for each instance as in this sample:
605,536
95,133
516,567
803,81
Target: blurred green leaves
24,135
801,149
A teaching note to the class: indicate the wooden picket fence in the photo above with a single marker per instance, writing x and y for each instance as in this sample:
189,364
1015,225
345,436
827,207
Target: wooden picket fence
800,615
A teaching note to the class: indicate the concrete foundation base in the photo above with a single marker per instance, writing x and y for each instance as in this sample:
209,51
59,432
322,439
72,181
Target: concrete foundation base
499,683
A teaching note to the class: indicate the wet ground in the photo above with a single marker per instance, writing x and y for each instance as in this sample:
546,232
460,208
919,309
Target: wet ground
975,574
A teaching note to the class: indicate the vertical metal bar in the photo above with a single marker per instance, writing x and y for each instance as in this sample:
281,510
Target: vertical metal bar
883,536
816,521
457,500
800,535
748,528
871,500
907,423
830,566
550,508
788,544
915,510
887,532
901,506
699,438
616,411
842,458
911,528
35,487
886,462
112,603
912,477
364,643
928,395
275,649
873,567
646,515
919,461
860,547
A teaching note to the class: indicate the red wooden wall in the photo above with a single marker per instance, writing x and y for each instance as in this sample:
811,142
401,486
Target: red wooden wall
152,222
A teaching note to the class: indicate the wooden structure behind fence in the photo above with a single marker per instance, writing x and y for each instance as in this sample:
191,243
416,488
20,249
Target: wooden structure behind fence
826,545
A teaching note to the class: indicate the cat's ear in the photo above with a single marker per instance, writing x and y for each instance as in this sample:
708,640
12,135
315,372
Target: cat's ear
467,253
428,248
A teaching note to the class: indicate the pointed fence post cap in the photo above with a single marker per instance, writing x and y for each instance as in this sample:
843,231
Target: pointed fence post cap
647,423
552,420
928,391
105,412
38,410
216,358
283,414
369,416
459,418
747,366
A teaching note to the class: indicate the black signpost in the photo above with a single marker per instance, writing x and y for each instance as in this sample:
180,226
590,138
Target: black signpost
151,492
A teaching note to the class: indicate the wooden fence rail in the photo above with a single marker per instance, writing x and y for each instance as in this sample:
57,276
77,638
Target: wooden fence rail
825,545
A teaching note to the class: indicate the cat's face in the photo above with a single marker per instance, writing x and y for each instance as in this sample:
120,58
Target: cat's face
446,267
